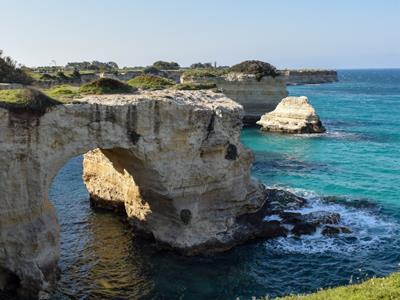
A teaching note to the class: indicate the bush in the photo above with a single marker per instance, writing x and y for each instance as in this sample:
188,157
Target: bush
164,65
195,86
106,86
153,71
255,67
150,82
47,77
61,76
75,74
10,73
204,73
27,99
201,66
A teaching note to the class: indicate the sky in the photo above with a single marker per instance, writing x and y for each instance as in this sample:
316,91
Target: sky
286,33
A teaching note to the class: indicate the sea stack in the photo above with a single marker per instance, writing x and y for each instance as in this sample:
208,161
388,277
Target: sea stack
292,115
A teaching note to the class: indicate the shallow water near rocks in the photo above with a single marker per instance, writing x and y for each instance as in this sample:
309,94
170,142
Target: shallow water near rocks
354,169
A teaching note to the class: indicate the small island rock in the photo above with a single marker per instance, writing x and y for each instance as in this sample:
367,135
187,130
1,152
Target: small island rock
292,115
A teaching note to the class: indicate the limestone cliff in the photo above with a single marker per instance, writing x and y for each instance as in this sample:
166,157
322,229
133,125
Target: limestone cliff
292,115
173,158
256,95
309,76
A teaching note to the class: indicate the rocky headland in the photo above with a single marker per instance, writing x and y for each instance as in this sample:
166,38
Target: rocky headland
309,76
292,115
256,85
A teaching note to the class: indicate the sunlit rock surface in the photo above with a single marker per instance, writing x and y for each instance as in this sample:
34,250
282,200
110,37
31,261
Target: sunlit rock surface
173,158
257,95
292,115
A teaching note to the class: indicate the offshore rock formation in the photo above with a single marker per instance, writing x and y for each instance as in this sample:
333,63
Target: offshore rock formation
173,158
309,76
256,95
292,115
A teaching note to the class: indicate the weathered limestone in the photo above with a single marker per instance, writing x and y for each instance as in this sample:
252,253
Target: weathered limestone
292,115
177,165
309,76
256,95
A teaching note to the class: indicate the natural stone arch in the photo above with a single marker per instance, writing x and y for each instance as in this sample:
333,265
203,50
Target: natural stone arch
190,173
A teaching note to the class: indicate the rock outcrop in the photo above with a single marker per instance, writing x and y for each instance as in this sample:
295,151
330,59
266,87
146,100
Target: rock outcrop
292,115
257,95
172,160
309,76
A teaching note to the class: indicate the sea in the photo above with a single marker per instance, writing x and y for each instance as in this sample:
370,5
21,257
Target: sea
352,169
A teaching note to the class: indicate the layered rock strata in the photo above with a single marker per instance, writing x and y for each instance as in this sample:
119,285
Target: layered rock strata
309,76
257,95
173,158
292,115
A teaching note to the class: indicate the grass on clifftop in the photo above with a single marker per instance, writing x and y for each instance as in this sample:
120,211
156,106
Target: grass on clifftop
63,92
150,82
372,289
106,86
195,86
28,99
204,73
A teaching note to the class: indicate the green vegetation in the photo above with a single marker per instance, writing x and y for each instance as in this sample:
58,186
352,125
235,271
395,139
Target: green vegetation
106,86
195,86
150,82
63,93
256,67
201,66
204,73
375,288
10,73
27,99
165,65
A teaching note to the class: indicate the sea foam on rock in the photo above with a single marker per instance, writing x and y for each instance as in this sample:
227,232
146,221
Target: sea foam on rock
292,115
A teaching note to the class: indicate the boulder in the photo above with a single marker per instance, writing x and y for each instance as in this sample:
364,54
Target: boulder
292,115
329,230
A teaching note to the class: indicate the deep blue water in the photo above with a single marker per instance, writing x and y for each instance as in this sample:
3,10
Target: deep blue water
356,164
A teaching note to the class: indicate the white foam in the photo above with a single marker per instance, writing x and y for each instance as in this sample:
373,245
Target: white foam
369,230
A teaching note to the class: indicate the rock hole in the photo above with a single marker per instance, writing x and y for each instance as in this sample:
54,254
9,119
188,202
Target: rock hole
231,152
186,216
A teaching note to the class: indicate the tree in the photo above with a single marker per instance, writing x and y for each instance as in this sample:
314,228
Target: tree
164,65
10,73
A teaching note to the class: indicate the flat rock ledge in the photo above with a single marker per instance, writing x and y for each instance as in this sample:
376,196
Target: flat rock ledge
293,115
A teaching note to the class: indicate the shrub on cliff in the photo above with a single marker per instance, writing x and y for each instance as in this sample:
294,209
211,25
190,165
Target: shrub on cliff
193,86
150,82
165,65
27,99
255,67
10,73
204,73
47,77
106,86
201,66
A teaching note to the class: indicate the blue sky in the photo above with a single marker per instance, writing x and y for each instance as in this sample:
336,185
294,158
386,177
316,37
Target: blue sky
306,33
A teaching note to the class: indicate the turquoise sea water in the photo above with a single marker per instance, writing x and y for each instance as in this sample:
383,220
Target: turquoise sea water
353,169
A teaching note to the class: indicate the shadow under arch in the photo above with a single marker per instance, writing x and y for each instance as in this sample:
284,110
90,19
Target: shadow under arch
193,172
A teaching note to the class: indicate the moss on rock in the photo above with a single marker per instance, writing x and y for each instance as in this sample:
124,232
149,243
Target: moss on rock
27,99
150,82
193,86
106,86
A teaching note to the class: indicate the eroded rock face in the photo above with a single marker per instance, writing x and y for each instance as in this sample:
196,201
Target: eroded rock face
256,95
172,160
309,76
292,115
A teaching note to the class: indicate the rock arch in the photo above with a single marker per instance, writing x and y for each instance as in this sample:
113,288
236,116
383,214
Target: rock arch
174,159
